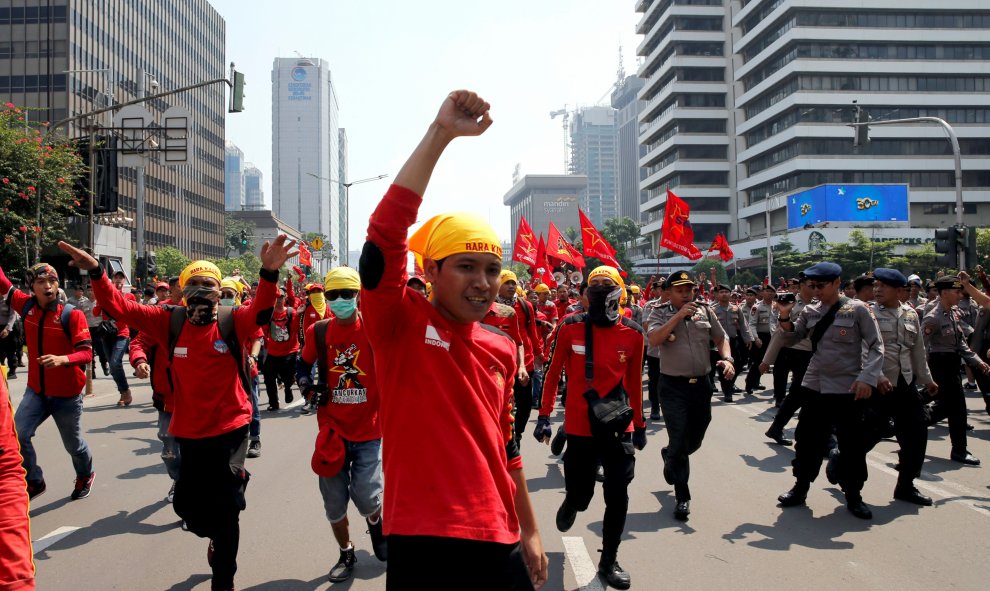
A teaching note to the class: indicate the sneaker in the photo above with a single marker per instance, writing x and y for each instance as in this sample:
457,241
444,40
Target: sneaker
306,409
83,487
36,488
254,449
970,385
378,541
170,497
344,567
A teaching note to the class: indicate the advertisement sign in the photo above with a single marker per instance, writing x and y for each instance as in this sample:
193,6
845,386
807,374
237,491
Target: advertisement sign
298,88
863,204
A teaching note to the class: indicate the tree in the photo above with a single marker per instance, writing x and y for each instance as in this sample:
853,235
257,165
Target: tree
521,271
248,263
714,270
859,254
171,261
619,232
232,228
31,168
327,252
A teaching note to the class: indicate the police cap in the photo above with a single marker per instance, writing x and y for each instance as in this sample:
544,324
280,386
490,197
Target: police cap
823,272
948,282
753,290
891,277
678,278
722,287
863,280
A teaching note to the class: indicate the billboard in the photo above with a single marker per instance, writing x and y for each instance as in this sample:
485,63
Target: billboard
863,204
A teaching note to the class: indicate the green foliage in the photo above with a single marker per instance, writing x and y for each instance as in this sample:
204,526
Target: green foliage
713,269
248,263
327,252
745,279
171,261
31,168
521,271
232,228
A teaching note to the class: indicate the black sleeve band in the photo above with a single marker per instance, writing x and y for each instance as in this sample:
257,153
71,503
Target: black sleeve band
97,272
511,449
268,275
372,267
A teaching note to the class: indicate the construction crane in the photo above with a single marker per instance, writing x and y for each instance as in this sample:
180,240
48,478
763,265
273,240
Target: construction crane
566,118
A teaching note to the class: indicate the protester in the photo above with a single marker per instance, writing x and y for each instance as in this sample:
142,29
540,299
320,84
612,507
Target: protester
16,557
114,336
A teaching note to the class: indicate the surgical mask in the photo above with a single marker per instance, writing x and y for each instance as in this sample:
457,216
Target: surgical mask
603,304
343,308
201,303
228,301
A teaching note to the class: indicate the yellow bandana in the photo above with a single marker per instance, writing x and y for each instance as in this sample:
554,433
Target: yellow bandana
199,269
455,233
342,278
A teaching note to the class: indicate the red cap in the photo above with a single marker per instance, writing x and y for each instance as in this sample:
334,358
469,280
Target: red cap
328,457
161,285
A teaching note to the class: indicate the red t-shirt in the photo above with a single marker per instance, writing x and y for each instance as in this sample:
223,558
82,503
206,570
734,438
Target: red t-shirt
618,357
280,338
140,350
562,307
209,397
550,309
353,405
446,401
66,381
504,318
532,342
16,557
122,329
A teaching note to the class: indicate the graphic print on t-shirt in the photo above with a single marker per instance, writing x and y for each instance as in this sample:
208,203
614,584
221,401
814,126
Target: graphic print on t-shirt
349,389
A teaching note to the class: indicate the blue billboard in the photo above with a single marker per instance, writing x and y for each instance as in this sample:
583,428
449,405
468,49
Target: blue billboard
865,204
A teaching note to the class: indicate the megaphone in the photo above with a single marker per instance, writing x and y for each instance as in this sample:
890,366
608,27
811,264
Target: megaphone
576,278
559,277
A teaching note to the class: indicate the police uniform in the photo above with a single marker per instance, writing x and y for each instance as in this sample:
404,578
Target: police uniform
945,339
685,392
979,343
905,365
737,331
653,366
762,323
793,360
846,351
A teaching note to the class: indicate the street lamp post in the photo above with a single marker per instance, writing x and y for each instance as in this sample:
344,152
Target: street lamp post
347,204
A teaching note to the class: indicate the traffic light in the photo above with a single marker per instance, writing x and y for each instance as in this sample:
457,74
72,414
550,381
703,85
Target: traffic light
947,246
242,244
142,271
971,260
237,92
152,265
862,136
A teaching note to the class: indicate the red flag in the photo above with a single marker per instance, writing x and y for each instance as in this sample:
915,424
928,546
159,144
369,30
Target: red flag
305,257
559,248
594,244
541,272
721,246
677,233
525,247
578,259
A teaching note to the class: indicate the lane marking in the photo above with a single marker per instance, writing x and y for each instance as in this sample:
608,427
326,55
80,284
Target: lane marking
585,572
934,485
58,535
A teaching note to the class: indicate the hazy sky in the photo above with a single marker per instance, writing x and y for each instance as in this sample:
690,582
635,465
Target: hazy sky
393,62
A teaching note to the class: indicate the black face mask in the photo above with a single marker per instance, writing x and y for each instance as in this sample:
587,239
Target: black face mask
603,304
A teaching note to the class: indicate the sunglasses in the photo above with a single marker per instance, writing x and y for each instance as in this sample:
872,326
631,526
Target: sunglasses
347,294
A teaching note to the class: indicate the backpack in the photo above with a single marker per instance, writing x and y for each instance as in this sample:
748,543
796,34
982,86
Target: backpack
320,334
228,332
63,318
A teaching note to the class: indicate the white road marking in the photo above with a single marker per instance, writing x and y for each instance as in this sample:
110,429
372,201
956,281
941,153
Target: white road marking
56,536
927,482
585,572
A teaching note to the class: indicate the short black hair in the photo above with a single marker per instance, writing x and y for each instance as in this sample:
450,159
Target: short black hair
583,287
173,281
149,291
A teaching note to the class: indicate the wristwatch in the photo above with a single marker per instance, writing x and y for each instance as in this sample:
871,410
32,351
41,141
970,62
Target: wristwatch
730,360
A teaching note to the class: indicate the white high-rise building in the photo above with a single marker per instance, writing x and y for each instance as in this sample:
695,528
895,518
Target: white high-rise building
254,194
305,156
233,178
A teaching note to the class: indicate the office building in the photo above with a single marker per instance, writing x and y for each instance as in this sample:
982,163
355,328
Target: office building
305,138
594,154
625,101
750,100
67,57
254,194
233,178
545,198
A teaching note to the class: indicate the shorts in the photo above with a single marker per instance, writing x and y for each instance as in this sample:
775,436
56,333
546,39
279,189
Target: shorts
360,480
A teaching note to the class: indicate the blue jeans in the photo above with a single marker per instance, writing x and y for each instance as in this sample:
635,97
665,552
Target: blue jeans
359,480
114,348
537,378
170,449
67,412
255,430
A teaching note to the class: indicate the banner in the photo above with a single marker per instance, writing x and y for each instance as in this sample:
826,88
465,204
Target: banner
524,250
595,244
677,233
305,257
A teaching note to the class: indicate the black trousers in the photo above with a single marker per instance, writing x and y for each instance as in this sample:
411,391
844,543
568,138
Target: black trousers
653,387
735,346
209,495
814,428
796,363
756,358
523,396
279,367
467,564
9,351
687,411
951,400
906,406
616,455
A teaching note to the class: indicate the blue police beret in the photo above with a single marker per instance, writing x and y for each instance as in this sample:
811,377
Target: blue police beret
891,277
823,272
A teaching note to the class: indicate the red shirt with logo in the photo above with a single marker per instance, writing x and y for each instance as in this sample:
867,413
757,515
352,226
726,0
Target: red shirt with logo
618,357
66,381
446,400
280,338
550,309
504,318
353,406
16,557
209,397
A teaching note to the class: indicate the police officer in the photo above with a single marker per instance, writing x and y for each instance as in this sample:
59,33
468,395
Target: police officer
904,367
682,330
733,322
762,323
846,364
945,339
864,287
793,360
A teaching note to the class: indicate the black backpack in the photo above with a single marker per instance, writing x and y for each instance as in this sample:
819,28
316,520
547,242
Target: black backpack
228,332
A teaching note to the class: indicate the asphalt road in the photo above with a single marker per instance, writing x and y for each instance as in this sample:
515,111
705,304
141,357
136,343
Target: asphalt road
126,536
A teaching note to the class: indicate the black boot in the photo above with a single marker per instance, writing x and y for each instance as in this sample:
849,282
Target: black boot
796,496
609,569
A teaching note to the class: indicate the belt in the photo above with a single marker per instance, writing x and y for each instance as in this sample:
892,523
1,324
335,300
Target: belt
934,353
688,379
